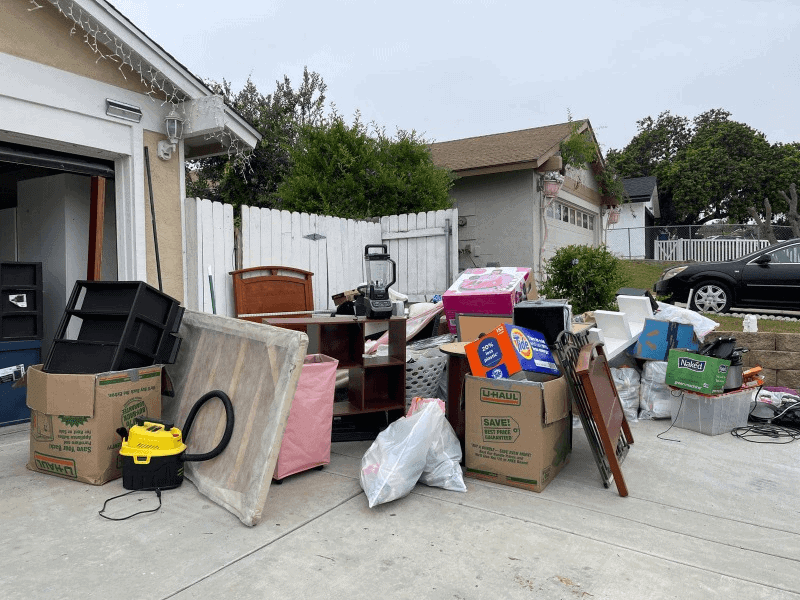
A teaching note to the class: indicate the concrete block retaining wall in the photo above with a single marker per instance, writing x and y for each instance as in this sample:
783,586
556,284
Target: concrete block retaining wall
778,354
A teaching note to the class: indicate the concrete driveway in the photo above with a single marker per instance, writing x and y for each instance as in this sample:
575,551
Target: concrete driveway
707,517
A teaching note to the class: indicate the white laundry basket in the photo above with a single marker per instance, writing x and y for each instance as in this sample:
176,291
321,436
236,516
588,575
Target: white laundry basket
424,373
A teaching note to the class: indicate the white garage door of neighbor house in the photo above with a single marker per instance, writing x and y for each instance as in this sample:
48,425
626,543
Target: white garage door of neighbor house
567,224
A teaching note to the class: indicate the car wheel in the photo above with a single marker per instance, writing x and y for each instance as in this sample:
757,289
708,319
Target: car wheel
712,296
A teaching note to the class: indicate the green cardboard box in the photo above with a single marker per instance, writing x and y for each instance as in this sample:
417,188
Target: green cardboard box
696,372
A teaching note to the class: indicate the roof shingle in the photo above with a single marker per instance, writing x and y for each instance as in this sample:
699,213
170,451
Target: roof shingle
500,149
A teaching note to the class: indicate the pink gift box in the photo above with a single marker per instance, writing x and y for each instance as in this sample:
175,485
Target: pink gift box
486,291
307,438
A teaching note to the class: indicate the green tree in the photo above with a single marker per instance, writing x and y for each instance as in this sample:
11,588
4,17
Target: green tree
589,277
278,117
348,171
709,168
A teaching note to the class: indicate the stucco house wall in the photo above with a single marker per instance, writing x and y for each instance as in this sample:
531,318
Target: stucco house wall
53,98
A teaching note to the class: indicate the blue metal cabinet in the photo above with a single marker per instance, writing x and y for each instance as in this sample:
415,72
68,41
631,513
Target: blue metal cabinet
12,401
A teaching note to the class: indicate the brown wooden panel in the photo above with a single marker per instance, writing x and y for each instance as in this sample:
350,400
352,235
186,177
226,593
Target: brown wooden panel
96,223
272,289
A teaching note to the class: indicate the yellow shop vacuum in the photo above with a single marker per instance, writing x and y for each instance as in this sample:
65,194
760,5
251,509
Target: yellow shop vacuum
153,451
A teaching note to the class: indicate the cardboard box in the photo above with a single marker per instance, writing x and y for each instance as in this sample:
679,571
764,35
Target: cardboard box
659,337
486,291
508,350
74,419
518,433
696,372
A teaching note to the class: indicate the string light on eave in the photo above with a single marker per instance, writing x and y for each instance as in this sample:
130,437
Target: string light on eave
159,88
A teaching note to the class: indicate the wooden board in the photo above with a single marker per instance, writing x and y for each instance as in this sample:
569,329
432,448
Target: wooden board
259,290
605,406
258,367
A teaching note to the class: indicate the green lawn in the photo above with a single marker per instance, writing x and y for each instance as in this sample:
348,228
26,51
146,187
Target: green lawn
644,273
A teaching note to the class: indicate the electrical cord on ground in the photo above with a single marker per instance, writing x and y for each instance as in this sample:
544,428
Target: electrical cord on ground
677,414
766,433
157,490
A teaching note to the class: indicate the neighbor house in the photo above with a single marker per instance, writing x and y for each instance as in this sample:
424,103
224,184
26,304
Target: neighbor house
505,217
84,92
631,232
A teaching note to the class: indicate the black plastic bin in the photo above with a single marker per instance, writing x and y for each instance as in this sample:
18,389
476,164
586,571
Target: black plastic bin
20,301
113,326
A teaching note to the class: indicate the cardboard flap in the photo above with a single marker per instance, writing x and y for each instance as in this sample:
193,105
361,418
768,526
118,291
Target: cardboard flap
556,400
57,394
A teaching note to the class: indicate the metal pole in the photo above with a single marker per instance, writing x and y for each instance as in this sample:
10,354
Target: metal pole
153,216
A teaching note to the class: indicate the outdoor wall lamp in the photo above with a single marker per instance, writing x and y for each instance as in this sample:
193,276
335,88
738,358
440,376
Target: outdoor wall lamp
174,129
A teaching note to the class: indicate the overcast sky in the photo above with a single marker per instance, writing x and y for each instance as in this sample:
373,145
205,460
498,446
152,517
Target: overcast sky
461,68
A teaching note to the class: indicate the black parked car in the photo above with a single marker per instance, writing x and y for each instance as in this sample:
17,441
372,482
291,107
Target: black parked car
767,278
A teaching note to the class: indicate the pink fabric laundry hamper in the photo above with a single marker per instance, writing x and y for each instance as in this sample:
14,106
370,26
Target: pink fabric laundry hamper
307,439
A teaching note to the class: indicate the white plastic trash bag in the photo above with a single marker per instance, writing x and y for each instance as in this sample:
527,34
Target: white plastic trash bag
400,454
702,325
654,397
442,468
627,381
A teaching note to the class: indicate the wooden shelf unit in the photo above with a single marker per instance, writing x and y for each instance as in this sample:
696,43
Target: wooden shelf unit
376,383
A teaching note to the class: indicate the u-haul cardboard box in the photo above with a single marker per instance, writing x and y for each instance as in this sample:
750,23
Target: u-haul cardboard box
74,419
518,433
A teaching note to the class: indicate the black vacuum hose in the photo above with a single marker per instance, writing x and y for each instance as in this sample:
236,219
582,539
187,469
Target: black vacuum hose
226,437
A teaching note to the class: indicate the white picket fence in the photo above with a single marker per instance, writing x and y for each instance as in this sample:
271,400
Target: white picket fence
706,250
424,246
209,244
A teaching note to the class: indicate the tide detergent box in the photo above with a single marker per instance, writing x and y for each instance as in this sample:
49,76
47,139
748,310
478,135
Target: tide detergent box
508,350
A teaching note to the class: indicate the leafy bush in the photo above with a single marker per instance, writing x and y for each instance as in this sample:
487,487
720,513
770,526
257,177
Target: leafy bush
589,277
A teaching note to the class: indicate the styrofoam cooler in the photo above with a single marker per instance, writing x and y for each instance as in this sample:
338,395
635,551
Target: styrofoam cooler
307,439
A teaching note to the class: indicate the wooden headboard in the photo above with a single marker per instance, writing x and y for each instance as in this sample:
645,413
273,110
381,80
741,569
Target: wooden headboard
272,289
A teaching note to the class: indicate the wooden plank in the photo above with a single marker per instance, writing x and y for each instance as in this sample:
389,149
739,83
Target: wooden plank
297,259
336,282
220,274
246,237
420,253
97,211
199,271
411,260
207,220
440,267
354,261
431,285
321,278
416,233
190,208
313,258
402,254
286,238
226,282
453,250
265,255
255,239
275,256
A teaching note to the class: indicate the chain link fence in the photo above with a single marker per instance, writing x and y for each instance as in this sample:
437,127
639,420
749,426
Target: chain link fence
718,241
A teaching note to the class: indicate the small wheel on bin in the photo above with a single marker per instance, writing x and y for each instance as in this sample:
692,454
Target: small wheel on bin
712,296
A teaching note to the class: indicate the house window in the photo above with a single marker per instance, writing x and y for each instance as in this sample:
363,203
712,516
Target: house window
558,211
565,214
585,221
572,216
549,211
591,222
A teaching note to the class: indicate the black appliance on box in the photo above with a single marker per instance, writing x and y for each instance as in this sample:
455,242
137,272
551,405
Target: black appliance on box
20,301
113,326
548,317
